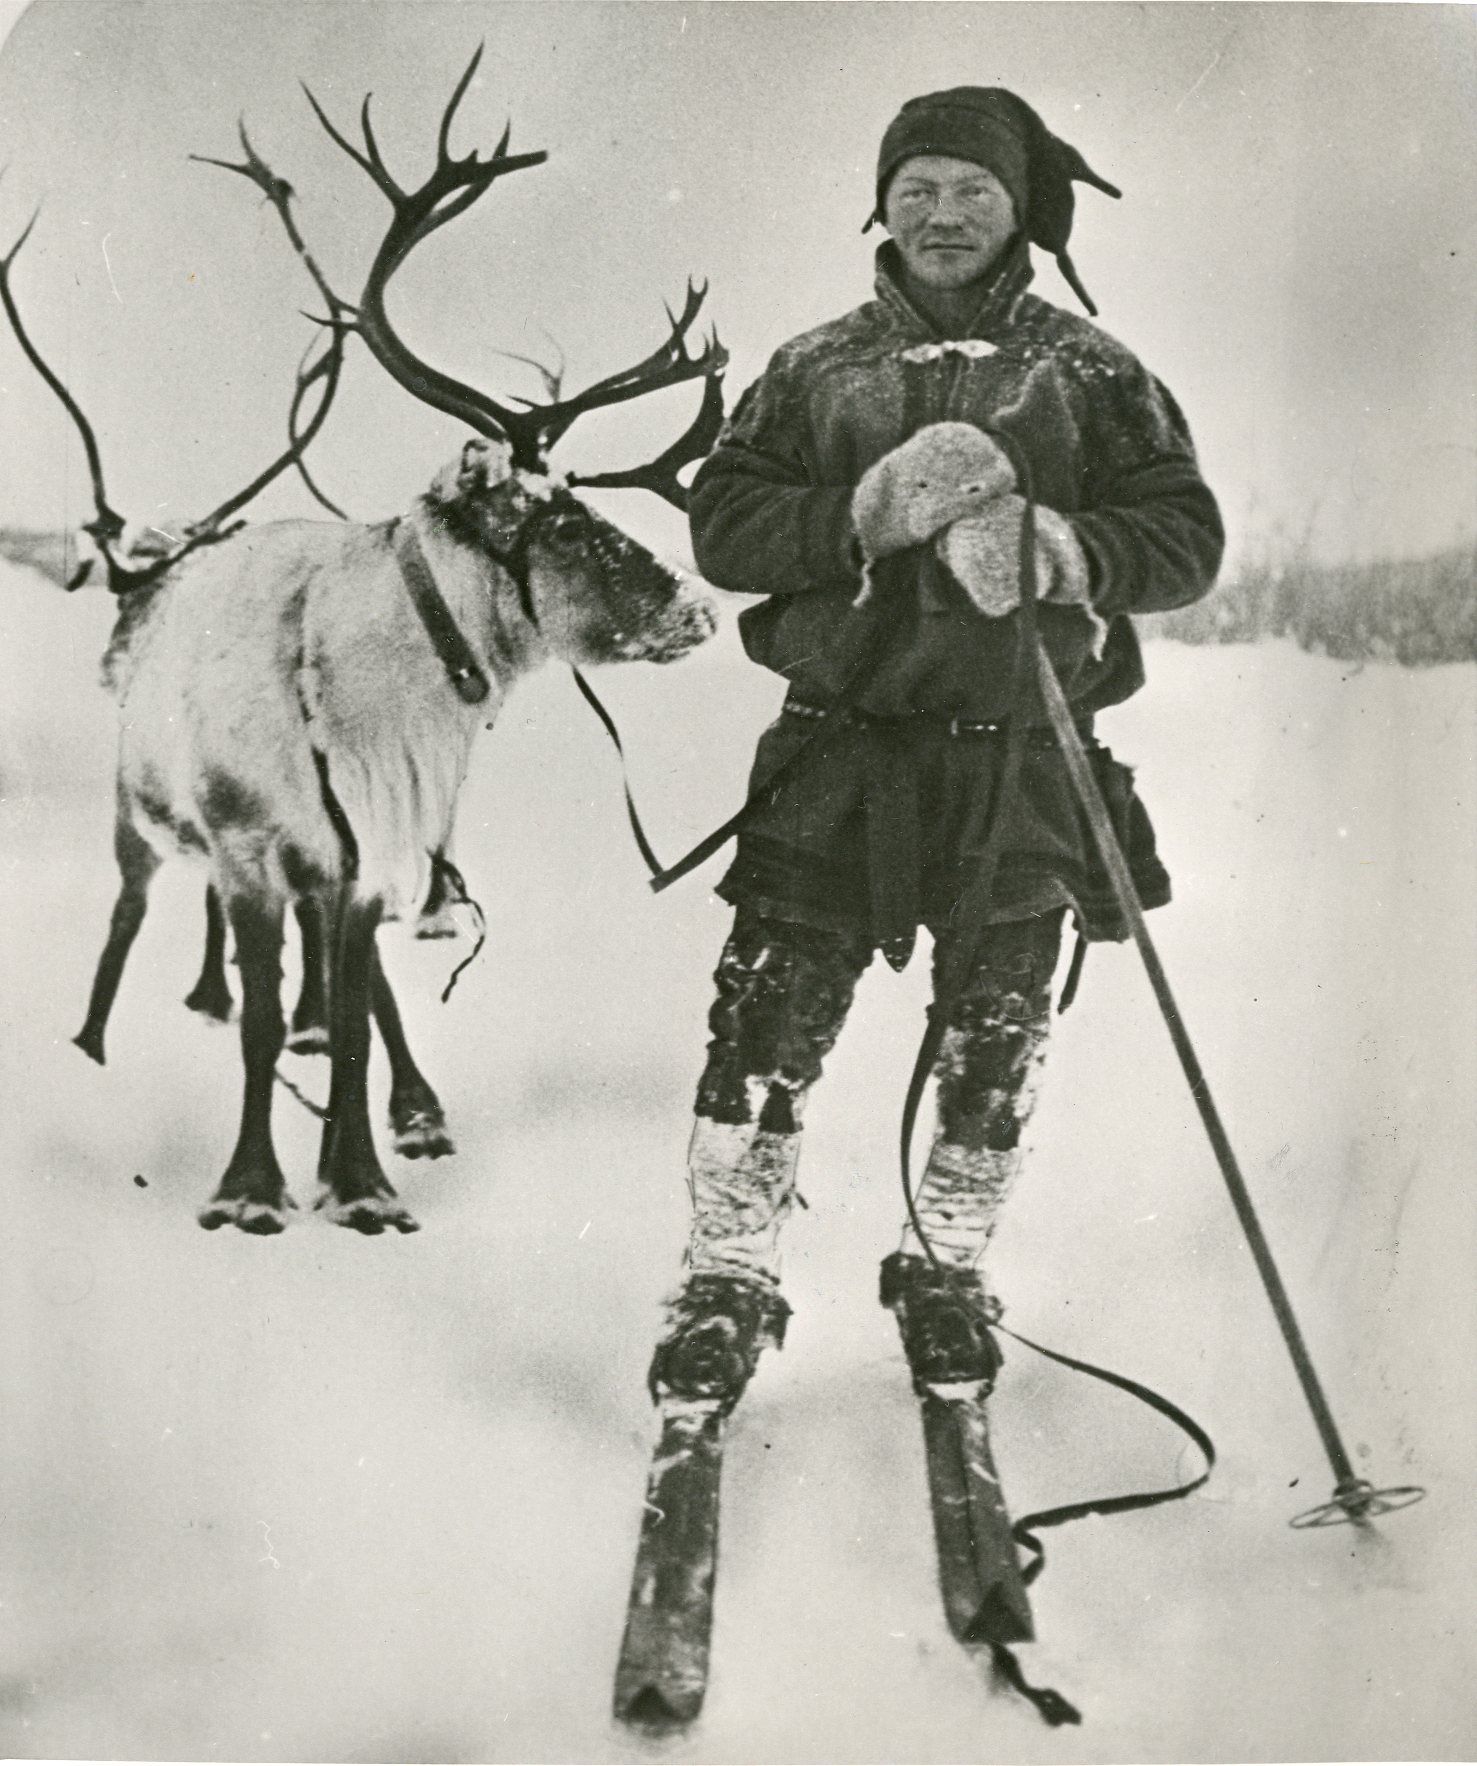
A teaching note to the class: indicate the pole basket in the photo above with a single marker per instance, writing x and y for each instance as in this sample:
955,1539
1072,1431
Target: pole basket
1356,1500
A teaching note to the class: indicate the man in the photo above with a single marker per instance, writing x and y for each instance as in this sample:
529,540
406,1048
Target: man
860,467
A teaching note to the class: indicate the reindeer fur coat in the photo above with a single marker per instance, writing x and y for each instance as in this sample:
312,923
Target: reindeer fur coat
1106,446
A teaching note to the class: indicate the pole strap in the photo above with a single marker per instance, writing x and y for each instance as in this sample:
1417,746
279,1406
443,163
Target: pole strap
1054,1709
1027,1527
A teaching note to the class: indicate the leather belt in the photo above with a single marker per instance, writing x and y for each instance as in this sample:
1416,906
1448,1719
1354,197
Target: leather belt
952,726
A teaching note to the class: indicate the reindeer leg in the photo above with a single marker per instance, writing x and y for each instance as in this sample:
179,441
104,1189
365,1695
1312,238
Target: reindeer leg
416,1115
308,1034
210,996
355,1191
137,863
253,1193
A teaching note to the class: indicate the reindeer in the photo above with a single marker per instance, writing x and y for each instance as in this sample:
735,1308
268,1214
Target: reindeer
298,701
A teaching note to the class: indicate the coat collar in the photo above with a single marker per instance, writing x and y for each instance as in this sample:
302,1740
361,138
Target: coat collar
997,305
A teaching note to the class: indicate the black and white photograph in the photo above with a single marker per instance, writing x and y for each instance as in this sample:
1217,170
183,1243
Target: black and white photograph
738,881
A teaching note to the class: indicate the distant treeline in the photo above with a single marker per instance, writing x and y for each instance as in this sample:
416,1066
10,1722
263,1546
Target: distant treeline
1412,610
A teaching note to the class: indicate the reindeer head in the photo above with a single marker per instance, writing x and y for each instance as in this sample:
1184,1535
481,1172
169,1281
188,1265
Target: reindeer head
590,592
594,593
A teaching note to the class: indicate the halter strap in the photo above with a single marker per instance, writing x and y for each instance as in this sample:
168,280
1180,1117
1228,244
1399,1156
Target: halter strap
447,638
463,669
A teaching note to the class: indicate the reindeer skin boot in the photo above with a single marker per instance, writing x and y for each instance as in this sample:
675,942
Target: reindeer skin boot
729,1309
944,1317
717,1328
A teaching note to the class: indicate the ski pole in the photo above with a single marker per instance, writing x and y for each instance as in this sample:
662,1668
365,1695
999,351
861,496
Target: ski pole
1354,1498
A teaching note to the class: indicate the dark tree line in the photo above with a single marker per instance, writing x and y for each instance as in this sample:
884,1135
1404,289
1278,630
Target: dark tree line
1414,610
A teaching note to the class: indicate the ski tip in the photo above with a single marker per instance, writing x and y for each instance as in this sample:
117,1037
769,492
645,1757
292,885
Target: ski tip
1003,1616
657,1710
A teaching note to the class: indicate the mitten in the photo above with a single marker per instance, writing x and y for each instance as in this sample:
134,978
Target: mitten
945,471
983,555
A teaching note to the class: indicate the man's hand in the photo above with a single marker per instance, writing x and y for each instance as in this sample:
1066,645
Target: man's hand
944,472
983,554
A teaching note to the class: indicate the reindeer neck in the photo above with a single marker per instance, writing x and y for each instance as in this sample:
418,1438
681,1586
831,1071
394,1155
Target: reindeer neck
481,593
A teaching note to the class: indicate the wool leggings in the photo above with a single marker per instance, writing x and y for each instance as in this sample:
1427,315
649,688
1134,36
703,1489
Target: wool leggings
783,994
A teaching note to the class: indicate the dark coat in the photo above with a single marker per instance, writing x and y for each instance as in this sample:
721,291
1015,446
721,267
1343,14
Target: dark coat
1105,445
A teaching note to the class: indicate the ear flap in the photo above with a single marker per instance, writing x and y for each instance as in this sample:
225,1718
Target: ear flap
1078,168
482,462
1053,166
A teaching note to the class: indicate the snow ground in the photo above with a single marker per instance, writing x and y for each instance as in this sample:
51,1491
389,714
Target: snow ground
327,1498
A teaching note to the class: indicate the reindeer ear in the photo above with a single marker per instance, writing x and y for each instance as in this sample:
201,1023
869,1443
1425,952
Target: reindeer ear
481,463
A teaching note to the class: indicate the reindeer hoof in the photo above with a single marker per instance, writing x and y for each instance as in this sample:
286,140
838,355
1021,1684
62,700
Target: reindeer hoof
210,1002
369,1214
261,1218
91,1044
311,1039
421,1134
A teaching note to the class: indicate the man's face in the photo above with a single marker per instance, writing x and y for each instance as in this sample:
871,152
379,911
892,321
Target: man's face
951,219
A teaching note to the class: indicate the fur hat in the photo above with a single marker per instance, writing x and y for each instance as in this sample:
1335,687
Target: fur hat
995,129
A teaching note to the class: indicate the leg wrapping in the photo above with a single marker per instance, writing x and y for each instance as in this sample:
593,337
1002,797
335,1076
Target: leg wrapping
742,1181
988,1072
783,992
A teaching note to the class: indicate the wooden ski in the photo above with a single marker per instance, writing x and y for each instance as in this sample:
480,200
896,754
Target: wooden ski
979,1564
662,1674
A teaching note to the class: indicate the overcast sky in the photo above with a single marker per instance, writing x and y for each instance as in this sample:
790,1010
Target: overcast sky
1293,253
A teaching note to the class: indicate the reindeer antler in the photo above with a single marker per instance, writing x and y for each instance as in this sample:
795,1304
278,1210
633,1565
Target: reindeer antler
553,378
695,443
450,190
669,365
327,367
107,524
530,429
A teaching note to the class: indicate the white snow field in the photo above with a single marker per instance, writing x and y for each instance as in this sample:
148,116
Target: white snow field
327,1498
